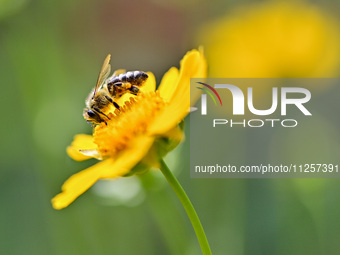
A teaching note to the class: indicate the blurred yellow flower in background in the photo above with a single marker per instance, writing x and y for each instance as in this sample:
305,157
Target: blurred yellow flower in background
140,134
273,39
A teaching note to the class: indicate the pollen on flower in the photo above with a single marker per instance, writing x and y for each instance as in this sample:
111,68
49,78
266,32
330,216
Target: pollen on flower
131,120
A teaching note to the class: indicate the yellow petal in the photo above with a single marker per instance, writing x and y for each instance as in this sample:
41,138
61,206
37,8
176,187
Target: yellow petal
193,65
169,84
91,153
78,183
81,142
149,85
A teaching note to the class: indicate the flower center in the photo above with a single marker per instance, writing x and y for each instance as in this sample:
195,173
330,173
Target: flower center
130,121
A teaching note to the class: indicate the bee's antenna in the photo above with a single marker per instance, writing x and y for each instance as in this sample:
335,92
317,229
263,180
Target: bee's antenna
91,124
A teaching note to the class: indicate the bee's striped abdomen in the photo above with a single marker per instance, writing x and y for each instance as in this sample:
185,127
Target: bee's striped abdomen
126,83
134,77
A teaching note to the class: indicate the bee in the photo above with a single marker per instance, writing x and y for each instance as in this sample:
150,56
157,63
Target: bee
108,90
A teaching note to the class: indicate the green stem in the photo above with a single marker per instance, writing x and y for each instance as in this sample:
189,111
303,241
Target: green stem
195,221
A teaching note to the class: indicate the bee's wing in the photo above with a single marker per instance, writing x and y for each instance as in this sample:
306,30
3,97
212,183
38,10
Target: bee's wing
104,73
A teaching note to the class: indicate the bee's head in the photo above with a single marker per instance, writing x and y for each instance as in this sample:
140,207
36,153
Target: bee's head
92,116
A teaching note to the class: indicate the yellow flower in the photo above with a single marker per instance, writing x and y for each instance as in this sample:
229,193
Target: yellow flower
143,131
273,39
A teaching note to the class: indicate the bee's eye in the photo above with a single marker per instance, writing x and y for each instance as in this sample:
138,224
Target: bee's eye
91,113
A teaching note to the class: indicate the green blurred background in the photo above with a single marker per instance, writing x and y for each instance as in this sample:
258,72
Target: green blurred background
50,55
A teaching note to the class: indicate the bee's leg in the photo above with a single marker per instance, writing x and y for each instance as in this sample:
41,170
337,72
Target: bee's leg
119,88
118,84
134,90
123,85
116,105
109,99
98,110
113,102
